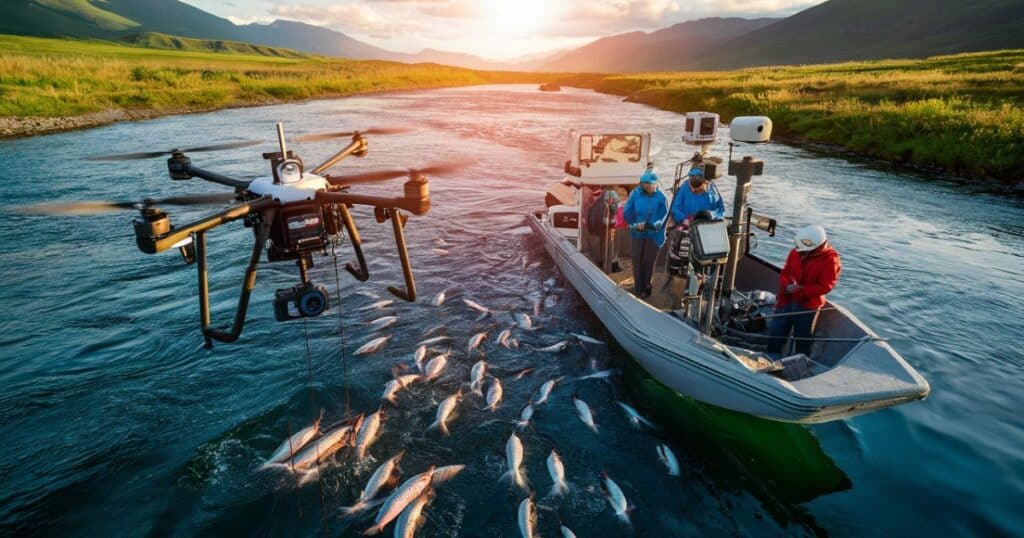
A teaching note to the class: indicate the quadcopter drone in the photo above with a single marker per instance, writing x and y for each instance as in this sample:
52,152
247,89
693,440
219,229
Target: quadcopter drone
295,213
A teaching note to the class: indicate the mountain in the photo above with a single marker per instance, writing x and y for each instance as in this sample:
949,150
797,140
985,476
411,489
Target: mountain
317,39
842,30
672,48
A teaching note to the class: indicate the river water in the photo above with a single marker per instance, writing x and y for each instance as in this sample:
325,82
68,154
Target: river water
117,421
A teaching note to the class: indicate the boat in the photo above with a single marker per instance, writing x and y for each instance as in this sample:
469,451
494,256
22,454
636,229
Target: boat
703,331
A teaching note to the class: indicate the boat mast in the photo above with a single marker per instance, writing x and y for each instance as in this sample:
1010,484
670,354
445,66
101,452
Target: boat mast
744,169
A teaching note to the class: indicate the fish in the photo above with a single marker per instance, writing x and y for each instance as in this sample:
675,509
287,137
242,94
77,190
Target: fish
377,481
399,499
373,345
600,375
391,389
527,518
474,343
524,416
554,348
434,340
444,412
503,337
383,322
584,412
557,471
667,457
293,444
477,306
367,293
379,304
615,497
418,356
494,395
476,377
440,251
634,417
439,298
319,450
545,391
523,373
567,532
514,458
367,434
524,321
587,339
406,525
446,473
434,329
408,379
434,367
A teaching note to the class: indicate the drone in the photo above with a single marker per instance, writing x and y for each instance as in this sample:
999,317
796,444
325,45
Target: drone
295,213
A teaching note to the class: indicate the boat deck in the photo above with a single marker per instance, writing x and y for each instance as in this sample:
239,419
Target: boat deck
660,298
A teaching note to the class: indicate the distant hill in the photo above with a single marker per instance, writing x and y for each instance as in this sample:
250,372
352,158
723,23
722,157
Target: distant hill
671,48
843,30
155,40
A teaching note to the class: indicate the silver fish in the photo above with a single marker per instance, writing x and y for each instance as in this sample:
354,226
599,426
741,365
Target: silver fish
545,391
476,377
325,446
444,412
384,322
399,499
524,416
567,532
503,337
379,304
446,473
587,339
634,416
668,457
524,321
372,345
615,497
555,348
440,251
434,329
406,525
391,389
599,375
557,471
527,518
439,299
293,444
367,434
494,394
514,459
377,481
584,412
477,306
418,356
434,367
408,379
434,340
474,343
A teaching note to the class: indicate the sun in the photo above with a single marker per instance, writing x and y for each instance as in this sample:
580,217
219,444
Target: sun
518,16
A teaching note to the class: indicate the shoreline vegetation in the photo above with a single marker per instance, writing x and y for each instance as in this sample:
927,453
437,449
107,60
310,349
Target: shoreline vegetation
961,114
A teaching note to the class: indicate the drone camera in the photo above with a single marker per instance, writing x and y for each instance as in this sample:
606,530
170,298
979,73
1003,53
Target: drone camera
150,224
301,301
297,232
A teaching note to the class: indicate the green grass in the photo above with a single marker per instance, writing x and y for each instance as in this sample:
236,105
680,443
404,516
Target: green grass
42,77
962,113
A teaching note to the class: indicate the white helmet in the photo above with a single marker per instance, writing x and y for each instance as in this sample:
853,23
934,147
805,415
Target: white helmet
809,238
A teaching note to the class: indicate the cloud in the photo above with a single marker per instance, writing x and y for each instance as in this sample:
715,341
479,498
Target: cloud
357,18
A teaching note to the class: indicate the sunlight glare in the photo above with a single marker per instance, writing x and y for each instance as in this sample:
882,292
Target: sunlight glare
518,16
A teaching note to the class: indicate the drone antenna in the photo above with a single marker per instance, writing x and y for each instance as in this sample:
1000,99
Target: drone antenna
280,140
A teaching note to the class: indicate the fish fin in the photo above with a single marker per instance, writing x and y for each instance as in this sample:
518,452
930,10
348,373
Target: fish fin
507,475
349,511
276,466
444,429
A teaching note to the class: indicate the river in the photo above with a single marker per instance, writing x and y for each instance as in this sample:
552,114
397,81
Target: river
118,422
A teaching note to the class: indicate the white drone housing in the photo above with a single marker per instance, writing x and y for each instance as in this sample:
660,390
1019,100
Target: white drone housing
751,129
701,128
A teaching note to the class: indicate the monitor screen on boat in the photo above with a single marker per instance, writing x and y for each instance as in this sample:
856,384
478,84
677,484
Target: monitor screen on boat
712,241
617,148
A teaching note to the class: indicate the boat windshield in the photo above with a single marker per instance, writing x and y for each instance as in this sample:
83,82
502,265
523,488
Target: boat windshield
618,148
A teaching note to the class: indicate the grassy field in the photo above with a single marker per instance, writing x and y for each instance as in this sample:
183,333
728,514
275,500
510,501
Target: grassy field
962,113
61,78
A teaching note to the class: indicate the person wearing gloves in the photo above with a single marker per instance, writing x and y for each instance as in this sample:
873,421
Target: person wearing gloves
698,195
811,271
645,213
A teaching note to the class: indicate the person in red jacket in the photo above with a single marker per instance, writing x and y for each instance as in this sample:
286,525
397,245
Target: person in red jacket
811,271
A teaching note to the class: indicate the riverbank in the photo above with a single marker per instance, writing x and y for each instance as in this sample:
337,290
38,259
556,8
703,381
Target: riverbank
50,85
961,113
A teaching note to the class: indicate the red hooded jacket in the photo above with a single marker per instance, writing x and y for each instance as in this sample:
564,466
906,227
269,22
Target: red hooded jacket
816,274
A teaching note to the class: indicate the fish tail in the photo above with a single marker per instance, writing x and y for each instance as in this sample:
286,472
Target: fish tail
520,480
624,517
374,530
443,427
558,489
346,511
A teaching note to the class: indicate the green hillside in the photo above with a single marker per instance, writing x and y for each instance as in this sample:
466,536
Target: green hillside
154,40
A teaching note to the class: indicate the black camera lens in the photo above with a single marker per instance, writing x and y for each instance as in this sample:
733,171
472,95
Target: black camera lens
312,303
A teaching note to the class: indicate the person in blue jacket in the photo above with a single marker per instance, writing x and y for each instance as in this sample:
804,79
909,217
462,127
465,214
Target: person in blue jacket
645,213
700,195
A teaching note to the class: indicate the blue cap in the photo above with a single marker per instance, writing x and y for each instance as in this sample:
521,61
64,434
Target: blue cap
696,172
649,177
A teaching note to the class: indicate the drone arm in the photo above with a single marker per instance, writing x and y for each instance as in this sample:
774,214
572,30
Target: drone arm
159,243
362,273
357,147
217,178
415,201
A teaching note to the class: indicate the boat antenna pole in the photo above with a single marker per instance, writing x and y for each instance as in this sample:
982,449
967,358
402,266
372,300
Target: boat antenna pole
744,169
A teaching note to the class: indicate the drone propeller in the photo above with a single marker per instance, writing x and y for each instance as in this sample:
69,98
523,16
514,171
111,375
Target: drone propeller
317,137
384,175
152,154
97,207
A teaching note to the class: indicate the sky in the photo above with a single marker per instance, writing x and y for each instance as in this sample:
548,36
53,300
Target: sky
500,29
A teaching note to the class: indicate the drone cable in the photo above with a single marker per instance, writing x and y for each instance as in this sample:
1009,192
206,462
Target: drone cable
312,400
341,326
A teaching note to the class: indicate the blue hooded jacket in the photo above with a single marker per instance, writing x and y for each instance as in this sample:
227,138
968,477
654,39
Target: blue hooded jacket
688,204
649,208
